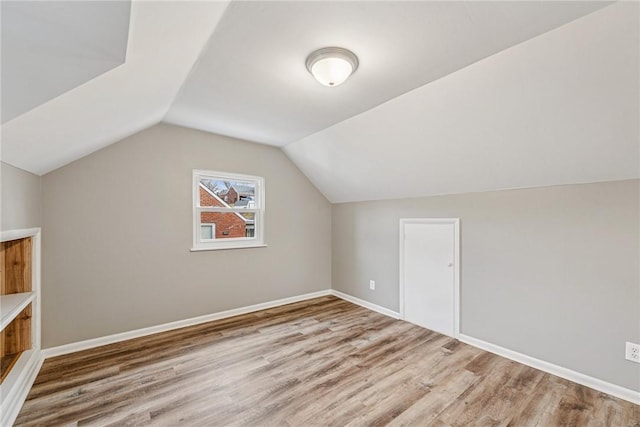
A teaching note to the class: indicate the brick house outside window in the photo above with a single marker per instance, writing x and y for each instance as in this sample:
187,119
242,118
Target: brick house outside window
226,225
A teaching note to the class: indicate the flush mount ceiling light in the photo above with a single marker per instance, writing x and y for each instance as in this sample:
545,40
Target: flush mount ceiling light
331,66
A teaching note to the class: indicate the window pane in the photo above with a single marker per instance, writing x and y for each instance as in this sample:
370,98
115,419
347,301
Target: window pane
226,225
206,232
250,220
224,193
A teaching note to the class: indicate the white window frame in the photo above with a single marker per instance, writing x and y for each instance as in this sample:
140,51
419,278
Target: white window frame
234,242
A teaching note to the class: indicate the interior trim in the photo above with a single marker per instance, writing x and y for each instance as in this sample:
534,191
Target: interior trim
559,371
137,333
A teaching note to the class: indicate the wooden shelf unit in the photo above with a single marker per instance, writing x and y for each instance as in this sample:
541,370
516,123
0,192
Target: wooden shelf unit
20,356
15,282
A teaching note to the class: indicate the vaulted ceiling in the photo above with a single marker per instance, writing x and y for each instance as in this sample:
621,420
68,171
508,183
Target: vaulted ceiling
449,96
164,41
251,82
49,48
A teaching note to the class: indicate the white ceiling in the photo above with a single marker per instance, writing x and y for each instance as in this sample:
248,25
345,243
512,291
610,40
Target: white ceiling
165,39
449,97
251,82
561,108
51,47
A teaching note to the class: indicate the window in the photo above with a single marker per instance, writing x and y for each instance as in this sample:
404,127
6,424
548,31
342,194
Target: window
228,210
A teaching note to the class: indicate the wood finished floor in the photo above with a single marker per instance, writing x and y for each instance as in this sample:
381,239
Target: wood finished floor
321,362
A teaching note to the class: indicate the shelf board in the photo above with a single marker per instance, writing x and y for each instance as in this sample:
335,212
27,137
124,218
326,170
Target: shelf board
18,234
12,304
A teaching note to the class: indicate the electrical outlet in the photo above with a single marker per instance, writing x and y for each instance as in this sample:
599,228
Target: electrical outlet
372,285
632,352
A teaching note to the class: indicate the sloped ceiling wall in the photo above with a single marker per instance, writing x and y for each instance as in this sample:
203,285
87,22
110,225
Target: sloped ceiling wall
166,40
50,47
216,65
560,108
251,82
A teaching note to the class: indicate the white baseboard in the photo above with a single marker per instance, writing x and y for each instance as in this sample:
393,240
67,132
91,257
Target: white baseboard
603,386
115,338
585,380
365,304
14,391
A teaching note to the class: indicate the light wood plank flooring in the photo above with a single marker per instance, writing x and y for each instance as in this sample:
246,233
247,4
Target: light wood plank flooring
322,362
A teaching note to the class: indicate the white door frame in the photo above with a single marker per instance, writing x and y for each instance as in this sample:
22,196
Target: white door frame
456,264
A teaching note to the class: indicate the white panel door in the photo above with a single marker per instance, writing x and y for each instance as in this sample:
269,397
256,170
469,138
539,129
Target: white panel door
429,275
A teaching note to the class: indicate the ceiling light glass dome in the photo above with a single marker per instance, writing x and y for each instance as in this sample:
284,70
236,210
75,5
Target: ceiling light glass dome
331,66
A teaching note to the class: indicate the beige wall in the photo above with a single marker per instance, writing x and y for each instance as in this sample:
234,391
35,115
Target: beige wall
550,272
117,232
21,191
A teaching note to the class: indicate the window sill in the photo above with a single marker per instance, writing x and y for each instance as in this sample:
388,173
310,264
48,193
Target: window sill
222,248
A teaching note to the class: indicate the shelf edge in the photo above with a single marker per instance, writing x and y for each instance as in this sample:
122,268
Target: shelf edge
17,309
